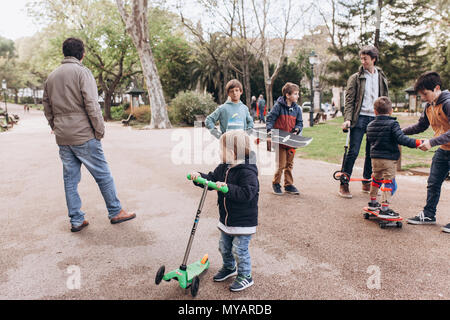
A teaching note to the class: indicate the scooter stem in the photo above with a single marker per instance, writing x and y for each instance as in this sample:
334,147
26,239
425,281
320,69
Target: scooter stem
194,228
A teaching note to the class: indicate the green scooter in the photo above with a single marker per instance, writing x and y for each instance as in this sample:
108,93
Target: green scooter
188,275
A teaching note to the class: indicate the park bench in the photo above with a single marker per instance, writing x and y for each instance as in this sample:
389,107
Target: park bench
317,118
127,121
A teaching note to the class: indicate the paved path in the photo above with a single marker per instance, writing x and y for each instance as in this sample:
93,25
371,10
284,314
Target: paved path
315,246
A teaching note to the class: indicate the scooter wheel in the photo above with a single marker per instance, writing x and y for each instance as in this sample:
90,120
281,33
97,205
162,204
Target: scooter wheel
160,275
194,286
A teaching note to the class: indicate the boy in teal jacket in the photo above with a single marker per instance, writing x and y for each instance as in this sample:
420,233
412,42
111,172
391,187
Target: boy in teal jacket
232,115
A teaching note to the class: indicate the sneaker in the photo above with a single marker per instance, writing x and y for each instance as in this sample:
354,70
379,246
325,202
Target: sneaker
446,228
374,205
344,191
224,274
366,187
241,283
291,189
422,219
387,214
277,189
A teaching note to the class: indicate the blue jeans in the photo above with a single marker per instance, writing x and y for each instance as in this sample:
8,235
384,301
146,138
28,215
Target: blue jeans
234,249
440,167
356,137
91,155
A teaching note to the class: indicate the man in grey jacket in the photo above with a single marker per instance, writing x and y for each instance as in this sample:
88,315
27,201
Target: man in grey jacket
363,88
72,110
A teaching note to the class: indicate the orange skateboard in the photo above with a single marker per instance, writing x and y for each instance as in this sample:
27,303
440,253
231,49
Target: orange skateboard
383,222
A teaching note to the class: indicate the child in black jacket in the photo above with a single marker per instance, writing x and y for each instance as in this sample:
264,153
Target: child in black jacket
238,208
384,135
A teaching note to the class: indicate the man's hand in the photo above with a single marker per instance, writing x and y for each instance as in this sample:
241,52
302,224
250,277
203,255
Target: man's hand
346,124
425,146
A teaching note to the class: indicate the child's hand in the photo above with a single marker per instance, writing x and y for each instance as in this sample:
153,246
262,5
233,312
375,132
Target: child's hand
220,184
195,175
425,146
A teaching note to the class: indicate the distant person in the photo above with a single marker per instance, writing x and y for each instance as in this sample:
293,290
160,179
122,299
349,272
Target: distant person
384,135
436,114
286,115
72,110
262,109
232,115
253,108
363,88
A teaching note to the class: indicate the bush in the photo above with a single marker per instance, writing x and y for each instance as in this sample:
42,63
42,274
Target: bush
118,113
187,104
26,100
142,114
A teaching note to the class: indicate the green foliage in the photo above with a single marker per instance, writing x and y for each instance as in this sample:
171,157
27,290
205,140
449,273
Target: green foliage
172,52
187,104
402,52
118,113
7,49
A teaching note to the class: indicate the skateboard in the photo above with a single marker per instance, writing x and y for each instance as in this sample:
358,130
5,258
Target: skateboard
383,222
281,137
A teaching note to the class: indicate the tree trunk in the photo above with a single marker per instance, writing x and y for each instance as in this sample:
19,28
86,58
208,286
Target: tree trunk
246,76
377,31
107,105
137,27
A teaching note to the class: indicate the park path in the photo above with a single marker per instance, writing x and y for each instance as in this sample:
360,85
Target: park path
315,246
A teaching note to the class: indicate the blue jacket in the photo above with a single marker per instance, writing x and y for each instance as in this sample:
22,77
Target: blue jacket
285,117
384,135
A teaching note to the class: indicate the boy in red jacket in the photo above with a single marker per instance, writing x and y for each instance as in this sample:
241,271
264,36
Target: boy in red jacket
286,115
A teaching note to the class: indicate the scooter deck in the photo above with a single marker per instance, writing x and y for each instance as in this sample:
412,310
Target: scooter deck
184,277
383,222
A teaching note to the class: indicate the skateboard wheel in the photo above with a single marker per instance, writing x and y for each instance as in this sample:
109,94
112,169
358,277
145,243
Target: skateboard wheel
160,275
194,286
383,225
399,224
366,216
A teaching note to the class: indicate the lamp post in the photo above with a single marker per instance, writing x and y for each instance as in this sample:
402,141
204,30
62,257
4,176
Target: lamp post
4,88
312,62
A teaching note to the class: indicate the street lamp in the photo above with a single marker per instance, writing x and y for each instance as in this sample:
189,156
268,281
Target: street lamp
313,59
4,88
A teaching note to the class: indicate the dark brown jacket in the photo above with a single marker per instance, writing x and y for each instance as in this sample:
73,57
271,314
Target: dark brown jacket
71,104
355,93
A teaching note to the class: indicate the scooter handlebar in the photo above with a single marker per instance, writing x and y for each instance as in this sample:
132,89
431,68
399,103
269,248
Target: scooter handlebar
210,184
